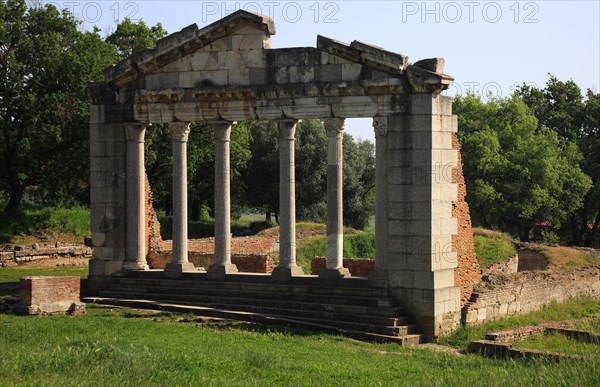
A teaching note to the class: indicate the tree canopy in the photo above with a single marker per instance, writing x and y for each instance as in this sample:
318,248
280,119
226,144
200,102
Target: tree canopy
516,172
562,108
45,63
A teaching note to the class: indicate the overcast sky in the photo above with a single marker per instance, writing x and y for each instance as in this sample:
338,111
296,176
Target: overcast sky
489,46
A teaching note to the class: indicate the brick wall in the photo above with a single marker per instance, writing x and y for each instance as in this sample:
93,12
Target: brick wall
468,272
42,294
246,263
523,292
153,238
358,267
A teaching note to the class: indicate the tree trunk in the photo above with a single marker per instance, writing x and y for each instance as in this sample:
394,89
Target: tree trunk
268,216
575,234
524,233
591,233
196,209
276,218
14,201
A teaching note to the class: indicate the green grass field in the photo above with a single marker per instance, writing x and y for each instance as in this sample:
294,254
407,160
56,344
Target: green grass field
492,247
112,346
555,342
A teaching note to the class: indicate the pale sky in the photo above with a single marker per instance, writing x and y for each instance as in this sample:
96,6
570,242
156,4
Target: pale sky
489,46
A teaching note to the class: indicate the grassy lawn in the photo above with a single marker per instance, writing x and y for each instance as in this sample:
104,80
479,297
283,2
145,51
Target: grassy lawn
112,346
492,247
555,342
49,223
245,226
592,325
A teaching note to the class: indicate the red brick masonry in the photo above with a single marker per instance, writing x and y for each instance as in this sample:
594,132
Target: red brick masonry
358,267
45,295
468,272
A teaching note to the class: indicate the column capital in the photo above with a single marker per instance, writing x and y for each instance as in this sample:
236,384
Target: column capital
222,129
135,131
334,126
380,124
287,129
179,131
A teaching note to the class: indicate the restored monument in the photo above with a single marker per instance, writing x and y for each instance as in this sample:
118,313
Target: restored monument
227,72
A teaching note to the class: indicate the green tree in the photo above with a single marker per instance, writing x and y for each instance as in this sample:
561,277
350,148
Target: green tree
359,182
262,175
516,173
201,162
561,107
130,37
45,63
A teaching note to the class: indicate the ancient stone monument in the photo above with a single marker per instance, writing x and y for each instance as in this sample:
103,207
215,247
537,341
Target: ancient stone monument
227,72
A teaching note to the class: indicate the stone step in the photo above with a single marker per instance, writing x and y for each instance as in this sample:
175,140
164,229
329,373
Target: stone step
257,294
260,278
397,330
408,339
257,286
215,301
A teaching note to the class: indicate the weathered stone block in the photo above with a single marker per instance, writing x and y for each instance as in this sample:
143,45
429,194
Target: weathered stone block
248,42
428,104
448,192
253,58
355,106
98,239
96,265
301,74
328,73
112,267
230,60
97,114
223,44
240,77
204,61
444,259
351,71
182,64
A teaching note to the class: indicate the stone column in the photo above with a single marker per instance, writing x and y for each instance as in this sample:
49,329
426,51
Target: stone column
378,276
335,220
287,203
135,258
222,264
180,263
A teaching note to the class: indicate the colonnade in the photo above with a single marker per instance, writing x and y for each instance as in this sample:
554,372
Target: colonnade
222,265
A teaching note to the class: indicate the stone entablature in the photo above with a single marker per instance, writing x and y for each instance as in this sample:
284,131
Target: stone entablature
227,72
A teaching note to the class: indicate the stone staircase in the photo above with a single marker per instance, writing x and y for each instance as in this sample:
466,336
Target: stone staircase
351,308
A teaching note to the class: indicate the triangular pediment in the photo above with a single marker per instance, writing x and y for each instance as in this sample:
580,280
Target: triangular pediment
233,57
189,40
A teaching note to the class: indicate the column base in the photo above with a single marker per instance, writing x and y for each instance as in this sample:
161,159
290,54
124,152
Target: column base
174,270
285,274
378,278
332,276
135,266
218,272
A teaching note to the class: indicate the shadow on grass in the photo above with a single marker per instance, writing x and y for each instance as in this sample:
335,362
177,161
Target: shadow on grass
255,327
8,289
